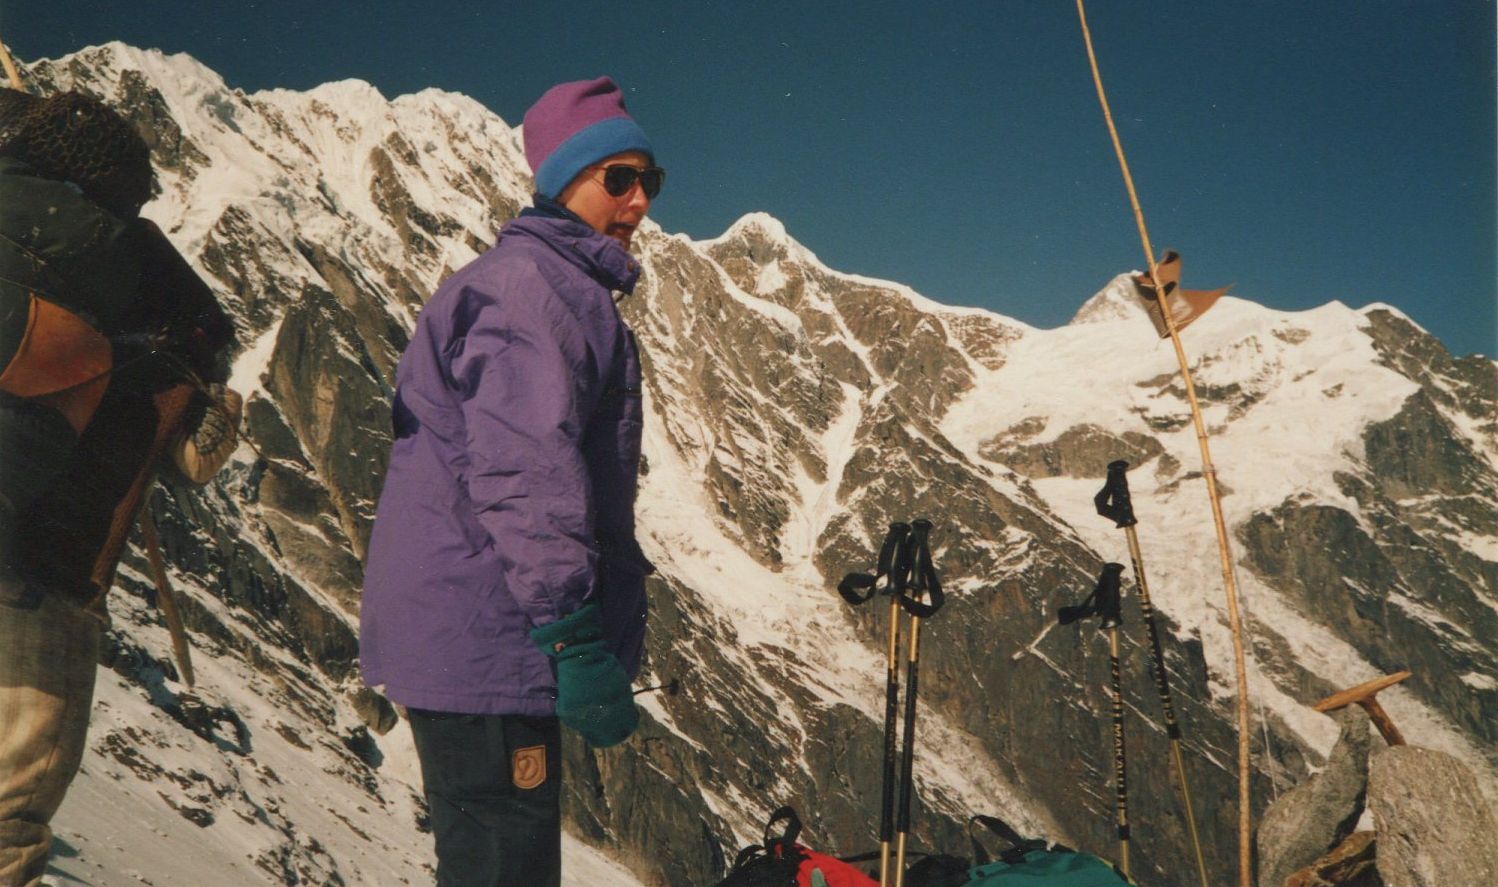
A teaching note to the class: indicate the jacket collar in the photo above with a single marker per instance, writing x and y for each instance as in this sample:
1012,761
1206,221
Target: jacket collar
600,257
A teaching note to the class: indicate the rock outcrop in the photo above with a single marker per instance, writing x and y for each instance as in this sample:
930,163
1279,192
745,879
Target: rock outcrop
1434,828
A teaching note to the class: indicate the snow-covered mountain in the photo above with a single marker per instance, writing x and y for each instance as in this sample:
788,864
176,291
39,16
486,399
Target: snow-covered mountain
793,412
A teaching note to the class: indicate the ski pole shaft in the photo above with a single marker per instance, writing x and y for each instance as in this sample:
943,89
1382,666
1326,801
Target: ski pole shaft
907,760
1167,704
1157,653
891,709
898,563
923,572
1120,774
1106,603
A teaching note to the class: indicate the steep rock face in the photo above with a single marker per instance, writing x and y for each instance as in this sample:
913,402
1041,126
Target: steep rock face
1081,451
1394,571
793,413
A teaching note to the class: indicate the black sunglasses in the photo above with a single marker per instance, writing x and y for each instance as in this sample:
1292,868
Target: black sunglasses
619,178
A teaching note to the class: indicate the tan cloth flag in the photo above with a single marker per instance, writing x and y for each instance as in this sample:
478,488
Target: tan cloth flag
1185,305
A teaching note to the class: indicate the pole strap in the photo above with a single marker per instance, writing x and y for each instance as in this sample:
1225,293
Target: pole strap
858,588
1016,845
1105,602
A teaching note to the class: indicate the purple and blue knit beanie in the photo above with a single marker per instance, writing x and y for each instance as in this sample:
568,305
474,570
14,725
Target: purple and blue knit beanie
574,125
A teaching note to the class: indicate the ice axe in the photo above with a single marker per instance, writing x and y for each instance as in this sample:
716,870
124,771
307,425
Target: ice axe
1363,694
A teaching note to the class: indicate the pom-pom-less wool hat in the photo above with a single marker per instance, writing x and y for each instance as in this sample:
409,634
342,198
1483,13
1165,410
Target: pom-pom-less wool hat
574,125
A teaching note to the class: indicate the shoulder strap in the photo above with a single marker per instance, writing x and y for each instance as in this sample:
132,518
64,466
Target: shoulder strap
792,829
745,856
1017,846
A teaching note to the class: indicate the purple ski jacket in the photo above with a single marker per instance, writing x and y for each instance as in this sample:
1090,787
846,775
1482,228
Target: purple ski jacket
509,500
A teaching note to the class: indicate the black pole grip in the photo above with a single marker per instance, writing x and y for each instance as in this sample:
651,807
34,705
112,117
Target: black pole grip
897,532
904,562
1113,500
923,575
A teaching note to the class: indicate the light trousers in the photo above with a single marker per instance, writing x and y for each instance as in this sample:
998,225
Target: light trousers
49,653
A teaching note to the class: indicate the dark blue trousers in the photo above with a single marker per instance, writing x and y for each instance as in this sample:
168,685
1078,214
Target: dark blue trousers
493,783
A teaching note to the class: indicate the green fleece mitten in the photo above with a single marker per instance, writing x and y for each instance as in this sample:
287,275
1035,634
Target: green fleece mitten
593,695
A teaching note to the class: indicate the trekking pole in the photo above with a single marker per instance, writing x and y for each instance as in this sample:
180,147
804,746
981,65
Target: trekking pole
672,687
925,584
1106,603
894,568
1114,503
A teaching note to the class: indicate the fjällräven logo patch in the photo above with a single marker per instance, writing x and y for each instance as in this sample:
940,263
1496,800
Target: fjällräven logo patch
528,767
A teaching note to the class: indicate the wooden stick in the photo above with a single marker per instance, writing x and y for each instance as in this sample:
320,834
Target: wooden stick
1382,721
165,598
10,69
1245,798
1361,691
1363,695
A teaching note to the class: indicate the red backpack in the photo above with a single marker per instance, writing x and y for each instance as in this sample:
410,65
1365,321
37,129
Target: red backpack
781,862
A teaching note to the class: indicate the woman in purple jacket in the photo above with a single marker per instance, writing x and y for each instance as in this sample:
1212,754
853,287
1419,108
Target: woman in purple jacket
504,593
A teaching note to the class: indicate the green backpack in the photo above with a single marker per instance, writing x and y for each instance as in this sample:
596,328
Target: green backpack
1033,863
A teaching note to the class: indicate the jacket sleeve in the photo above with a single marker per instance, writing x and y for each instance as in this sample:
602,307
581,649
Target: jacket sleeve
519,369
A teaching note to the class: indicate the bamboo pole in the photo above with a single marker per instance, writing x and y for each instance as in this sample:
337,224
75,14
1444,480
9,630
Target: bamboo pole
1245,813
10,69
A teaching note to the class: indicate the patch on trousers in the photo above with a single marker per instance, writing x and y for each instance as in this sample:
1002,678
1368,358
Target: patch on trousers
528,767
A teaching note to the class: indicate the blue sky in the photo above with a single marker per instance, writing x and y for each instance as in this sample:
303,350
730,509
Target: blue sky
1303,151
